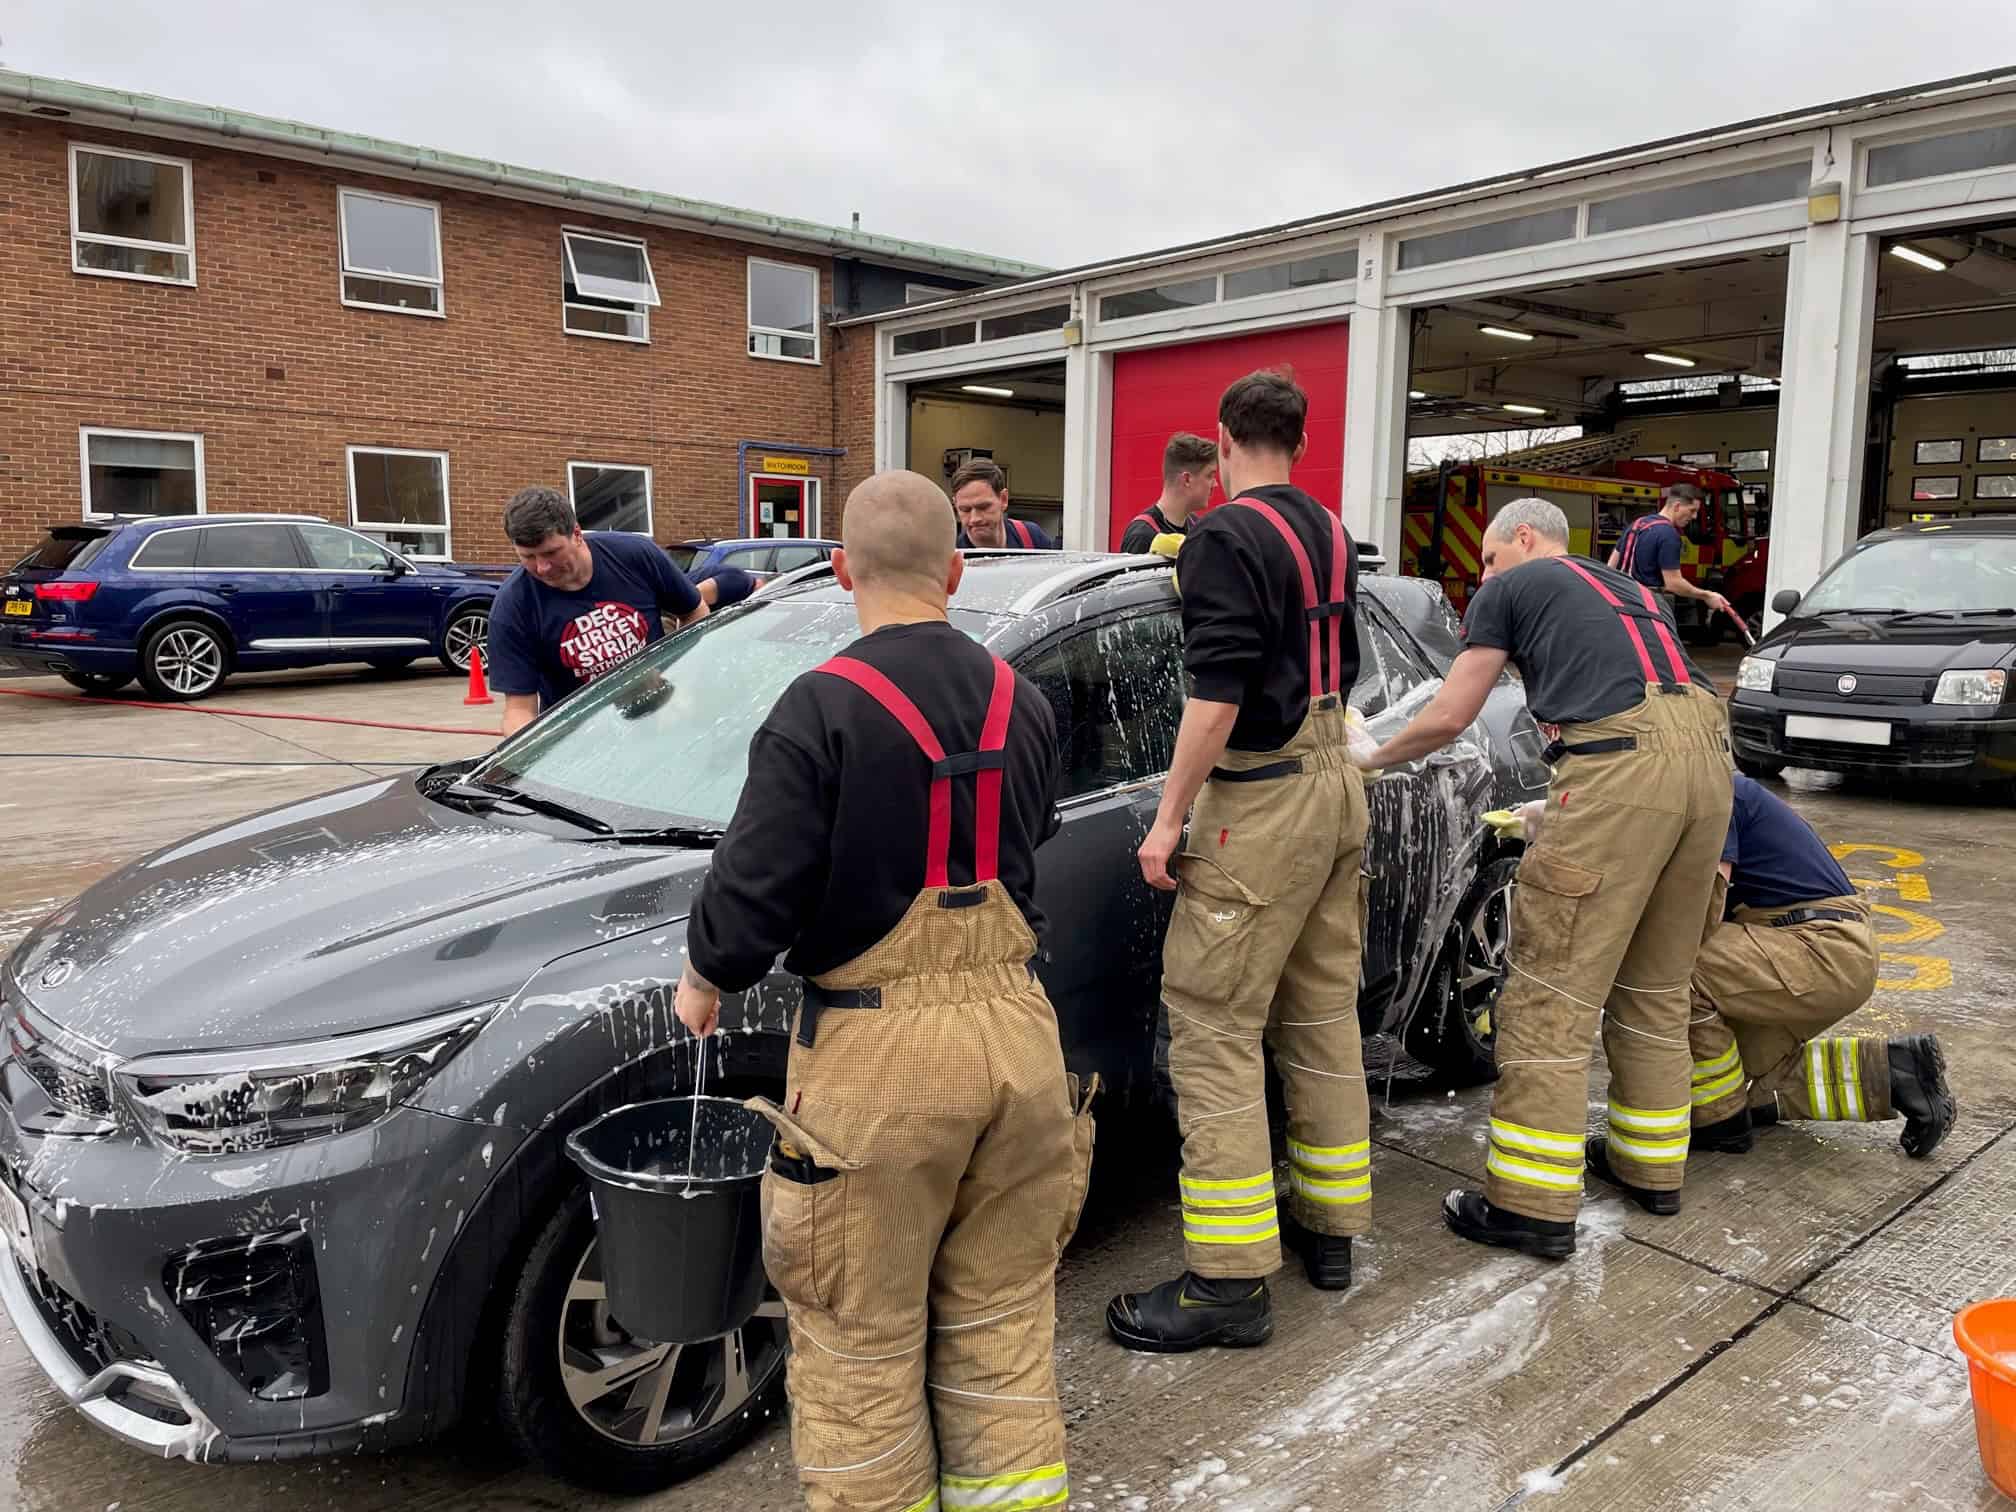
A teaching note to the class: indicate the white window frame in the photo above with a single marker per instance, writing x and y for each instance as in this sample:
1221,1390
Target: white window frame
79,236
636,467
345,272
365,527
749,309
86,432
568,271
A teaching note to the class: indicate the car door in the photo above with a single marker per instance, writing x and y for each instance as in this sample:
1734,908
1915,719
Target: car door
1115,687
256,570
372,600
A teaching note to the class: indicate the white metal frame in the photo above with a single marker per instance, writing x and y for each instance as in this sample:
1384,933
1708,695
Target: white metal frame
79,236
345,271
569,273
916,293
365,527
86,432
813,502
636,467
749,311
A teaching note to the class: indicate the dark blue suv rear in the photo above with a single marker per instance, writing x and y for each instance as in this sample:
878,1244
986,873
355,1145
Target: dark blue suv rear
183,601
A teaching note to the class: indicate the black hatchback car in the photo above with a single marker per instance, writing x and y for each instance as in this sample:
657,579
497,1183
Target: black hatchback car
280,1160
1898,662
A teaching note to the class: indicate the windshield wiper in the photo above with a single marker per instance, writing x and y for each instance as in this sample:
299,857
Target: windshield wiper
1863,609
699,836
1952,613
491,796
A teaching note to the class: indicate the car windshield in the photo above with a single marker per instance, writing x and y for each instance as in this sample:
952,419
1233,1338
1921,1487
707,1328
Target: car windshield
664,739
64,549
682,556
1931,572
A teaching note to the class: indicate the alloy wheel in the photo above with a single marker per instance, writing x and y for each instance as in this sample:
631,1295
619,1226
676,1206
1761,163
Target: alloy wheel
645,1395
465,633
1486,950
189,660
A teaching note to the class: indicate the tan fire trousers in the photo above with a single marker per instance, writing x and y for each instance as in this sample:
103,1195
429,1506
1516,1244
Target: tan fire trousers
1762,997
1612,905
1263,950
920,1277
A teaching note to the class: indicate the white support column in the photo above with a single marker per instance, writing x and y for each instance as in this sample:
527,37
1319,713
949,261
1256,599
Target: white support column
1088,447
1375,406
892,411
1823,416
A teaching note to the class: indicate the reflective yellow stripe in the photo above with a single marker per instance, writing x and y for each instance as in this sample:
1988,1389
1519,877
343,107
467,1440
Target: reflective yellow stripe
1713,1091
1332,1192
1233,1222
1195,1236
1527,1173
1816,1079
1708,1069
1539,1141
1648,1120
1848,1060
1259,1185
1654,1151
929,1501
1331,1157
1013,1492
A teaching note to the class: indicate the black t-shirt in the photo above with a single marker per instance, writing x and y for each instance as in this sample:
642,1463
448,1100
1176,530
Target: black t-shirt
1022,536
827,847
1245,638
1151,522
1569,645
1649,547
1775,859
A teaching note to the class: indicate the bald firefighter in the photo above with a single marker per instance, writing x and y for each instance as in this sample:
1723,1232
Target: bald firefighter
1613,899
932,1153
1263,944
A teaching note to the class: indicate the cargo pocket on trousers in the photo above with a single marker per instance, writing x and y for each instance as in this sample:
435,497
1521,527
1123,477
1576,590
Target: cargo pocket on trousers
1217,909
1545,911
804,1204
1079,1098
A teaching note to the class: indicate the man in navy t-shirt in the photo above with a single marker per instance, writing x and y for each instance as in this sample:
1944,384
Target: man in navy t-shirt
980,504
578,605
1651,549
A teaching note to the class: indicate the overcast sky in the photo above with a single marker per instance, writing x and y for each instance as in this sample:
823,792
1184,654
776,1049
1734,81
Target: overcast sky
1052,132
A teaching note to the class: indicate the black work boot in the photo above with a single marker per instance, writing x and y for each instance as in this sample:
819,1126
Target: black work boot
1918,1090
1472,1215
1597,1153
1192,1312
1326,1257
1726,1136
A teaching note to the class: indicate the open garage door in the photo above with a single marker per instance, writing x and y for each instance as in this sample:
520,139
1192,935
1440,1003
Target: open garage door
1014,418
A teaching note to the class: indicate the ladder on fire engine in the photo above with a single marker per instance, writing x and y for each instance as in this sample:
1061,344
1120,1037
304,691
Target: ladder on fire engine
1574,456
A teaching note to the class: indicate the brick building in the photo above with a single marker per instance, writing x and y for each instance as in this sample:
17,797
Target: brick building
206,311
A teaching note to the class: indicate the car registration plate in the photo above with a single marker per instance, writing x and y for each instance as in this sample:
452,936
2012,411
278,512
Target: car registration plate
20,606
1869,732
14,1226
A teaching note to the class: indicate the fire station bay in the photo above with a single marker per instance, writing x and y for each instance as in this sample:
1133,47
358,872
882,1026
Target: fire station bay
1812,314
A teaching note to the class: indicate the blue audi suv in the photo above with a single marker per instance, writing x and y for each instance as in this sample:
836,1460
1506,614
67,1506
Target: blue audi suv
183,601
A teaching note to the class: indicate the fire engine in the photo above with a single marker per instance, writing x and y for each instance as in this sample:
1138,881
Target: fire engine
1601,489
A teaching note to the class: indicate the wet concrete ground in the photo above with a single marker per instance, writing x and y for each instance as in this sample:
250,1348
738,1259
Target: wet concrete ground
1784,1343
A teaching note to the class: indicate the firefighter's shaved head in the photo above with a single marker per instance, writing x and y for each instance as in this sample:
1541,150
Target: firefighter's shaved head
897,537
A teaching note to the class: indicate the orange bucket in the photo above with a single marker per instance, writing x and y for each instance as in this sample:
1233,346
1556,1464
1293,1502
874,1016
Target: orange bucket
1986,1334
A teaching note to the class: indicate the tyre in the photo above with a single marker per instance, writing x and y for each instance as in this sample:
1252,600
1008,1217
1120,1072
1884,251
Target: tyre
467,628
184,659
385,666
99,683
1760,771
1453,1030
589,1404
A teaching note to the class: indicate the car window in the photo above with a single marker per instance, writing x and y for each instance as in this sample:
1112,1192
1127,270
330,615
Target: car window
1927,573
65,550
1116,690
168,548
343,551
749,558
682,556
243,547
791,558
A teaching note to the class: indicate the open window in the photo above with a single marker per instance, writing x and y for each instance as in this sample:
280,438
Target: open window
391,252
607,286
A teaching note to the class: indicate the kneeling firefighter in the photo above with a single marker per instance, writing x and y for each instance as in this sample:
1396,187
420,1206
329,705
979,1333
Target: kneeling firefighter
932,1153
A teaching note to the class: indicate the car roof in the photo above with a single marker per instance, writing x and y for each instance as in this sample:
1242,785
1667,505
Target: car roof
711,542
162,522
1980,525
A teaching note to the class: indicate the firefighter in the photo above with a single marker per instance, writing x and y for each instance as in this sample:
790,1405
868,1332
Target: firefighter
1650,550
980,499
931,1153
1614,899
1796,956
1263,943
1189,473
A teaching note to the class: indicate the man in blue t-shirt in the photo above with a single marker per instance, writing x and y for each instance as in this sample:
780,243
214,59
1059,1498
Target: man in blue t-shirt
578,605
1796,955
980,504
1651,549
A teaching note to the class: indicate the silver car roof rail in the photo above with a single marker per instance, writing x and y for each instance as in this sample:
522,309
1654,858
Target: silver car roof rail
1081,577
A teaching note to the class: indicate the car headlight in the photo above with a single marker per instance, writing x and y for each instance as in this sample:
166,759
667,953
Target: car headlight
227,1101
1983,687
1754,674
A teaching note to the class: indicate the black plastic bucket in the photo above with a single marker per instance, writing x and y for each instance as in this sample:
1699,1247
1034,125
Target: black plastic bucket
681,1238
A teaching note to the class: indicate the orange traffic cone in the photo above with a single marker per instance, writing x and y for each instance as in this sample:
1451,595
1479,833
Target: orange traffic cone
479,685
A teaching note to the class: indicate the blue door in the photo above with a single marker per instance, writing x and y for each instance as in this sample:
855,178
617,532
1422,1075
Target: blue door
255,570
374,603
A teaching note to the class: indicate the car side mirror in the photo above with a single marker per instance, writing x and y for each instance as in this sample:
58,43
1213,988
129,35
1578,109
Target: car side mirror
1785,601
396,567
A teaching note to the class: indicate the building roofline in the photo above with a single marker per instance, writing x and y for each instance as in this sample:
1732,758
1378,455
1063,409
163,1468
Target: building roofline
1565,170
33,94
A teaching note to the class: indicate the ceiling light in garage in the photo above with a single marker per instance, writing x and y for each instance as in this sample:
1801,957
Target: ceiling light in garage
982,388
1668,358
1417,394
1923,259
1525,409
1506,332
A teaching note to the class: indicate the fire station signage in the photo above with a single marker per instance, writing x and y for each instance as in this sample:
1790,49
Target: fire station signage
796,466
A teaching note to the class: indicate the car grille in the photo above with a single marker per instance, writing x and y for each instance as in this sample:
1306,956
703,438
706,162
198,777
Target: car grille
57,1062
1870,687
87,1338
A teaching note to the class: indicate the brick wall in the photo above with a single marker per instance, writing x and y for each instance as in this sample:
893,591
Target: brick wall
278,376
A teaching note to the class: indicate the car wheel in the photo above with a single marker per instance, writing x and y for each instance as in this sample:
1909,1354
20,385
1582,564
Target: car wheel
384,666
1760,771
184,660
467,629
1455,1031
99,683
590,1404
